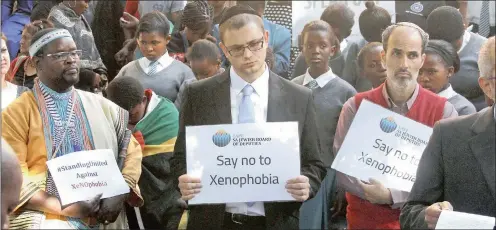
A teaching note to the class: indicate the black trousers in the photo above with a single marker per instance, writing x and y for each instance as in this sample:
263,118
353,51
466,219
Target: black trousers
169,222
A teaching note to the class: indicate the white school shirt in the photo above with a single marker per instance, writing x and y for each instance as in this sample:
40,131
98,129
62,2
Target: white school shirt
163,61
322,80
260,99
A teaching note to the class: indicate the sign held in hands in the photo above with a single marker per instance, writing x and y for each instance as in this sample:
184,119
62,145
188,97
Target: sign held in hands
83,175
461,220
243,162
383,145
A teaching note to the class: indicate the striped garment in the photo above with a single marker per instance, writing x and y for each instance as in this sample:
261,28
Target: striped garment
39,127
159,129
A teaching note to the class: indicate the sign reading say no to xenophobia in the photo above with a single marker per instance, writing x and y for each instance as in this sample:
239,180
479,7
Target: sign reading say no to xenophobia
383,145
243,162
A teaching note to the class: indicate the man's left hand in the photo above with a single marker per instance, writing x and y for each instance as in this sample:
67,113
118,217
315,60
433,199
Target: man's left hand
110,208
299,188
376,193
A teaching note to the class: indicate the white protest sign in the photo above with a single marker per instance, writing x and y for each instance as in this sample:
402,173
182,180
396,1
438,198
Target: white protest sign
83,175
243,162
383,145
461,220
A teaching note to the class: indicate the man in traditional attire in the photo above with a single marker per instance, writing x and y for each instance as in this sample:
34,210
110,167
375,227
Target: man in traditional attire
371,205
53,120
154,121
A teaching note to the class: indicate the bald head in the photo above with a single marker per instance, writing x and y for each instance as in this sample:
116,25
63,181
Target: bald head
11,182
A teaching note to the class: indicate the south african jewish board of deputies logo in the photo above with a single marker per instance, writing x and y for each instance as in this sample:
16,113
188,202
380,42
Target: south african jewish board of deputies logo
221,138
388,125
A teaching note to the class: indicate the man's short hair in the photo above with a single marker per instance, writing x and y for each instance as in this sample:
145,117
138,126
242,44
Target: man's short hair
126,92
238,16
153,22
445,23
339,15
203,49
389,30
487,58
373,21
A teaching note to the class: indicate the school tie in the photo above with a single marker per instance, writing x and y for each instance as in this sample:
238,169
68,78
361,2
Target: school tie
152,68
312,84
484,26
247,113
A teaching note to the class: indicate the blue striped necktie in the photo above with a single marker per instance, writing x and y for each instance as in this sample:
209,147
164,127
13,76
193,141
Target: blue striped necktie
484,25
152,68
312,84
246,112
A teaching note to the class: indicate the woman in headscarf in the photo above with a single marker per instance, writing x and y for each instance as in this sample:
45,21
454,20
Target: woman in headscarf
441,63
9,91
196,24
22,70
69,15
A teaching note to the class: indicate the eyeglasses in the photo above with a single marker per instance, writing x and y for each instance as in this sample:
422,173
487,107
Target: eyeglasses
62,56
254,46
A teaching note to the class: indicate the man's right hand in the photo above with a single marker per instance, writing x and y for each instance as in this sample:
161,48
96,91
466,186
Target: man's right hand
189,187
433,212
83,209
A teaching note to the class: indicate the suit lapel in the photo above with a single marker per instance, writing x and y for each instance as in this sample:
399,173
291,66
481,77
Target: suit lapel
483,146
222,99
276,107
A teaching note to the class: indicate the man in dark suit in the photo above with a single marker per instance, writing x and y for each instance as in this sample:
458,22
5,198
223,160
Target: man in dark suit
457,170
248,93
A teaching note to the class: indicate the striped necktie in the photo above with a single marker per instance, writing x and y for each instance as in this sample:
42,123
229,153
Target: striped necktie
484,26
247,113
312,84
152,68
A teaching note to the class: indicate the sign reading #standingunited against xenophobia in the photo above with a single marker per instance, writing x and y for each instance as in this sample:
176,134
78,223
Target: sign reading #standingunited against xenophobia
243,162
383,145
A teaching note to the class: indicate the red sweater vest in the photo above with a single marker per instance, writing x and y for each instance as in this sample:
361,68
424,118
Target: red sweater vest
361,214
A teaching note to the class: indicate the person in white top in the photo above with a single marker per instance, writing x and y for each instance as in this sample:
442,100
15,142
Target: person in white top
9,91
223,99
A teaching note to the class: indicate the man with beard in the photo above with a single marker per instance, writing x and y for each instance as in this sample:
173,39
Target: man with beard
371,205
54,120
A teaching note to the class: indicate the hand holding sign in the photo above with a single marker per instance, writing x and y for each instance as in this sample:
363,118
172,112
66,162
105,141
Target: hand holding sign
376,193
189,186
299,188
110,208
83,209
433,212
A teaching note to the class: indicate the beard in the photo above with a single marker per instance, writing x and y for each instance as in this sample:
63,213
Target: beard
402,84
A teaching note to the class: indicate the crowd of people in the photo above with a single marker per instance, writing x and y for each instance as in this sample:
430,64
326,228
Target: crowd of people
131,75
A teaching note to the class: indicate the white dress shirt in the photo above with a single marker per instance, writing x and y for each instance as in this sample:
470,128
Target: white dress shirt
466,39
163,62
260,99
322,80
447,93
343,45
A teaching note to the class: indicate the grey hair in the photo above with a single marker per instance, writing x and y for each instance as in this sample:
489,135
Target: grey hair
389,30
487,58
